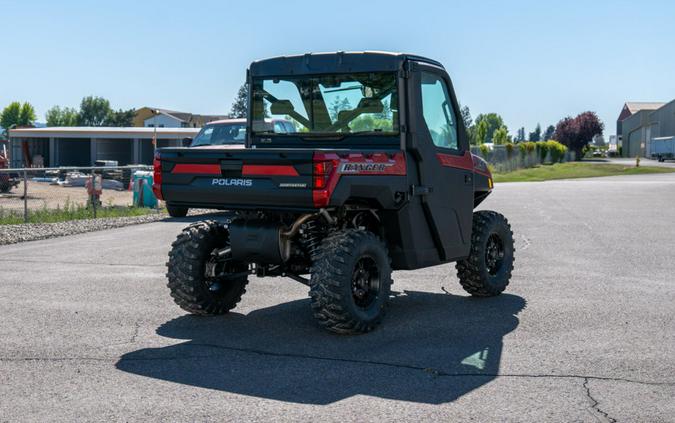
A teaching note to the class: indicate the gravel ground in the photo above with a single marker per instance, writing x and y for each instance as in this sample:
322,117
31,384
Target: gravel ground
11,234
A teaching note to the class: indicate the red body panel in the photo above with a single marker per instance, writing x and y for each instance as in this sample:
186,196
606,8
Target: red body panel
268,170
465,162
208,169
355,164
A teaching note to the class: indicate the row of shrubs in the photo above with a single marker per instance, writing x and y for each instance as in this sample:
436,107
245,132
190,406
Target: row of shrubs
551,150
513,156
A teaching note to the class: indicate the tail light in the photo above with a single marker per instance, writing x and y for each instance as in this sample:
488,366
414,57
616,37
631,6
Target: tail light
321,173
157,176
324,167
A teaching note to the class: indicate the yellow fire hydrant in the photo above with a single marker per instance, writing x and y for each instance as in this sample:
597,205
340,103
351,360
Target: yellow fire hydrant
637,161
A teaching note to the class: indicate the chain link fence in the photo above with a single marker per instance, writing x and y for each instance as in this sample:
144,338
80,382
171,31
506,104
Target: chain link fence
43,195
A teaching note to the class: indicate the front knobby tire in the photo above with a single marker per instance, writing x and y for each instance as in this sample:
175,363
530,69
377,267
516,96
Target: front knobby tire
487,270
350,282
191,288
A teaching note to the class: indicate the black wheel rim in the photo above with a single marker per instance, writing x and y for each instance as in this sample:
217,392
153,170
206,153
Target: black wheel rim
365,282
494,254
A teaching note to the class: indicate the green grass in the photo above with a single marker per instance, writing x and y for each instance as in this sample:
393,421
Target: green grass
575,170
70,212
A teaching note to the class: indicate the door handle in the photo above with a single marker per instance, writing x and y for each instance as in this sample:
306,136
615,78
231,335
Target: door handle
468,178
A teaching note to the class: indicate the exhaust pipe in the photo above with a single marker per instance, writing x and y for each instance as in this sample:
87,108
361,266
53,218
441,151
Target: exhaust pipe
259,241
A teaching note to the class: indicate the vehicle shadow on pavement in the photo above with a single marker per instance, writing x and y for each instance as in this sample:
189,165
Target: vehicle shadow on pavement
432,348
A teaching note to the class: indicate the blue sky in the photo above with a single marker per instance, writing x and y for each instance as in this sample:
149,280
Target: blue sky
530,61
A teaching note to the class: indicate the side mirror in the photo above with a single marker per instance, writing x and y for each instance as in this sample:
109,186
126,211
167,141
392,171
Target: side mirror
187,142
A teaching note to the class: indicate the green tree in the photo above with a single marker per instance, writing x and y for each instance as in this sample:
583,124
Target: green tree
340,104
369,123
10,115
501,136
466,116
240,106
57,116
536,135
120,118
548,134
17,114
471,135
465,112
493,122
521,134
26,115
93,111
481,132
386,110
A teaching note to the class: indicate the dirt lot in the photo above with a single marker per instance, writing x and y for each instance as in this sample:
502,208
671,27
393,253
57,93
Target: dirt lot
42,194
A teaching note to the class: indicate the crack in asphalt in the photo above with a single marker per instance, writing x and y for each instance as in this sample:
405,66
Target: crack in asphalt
526,242
134,336
595,404
427,370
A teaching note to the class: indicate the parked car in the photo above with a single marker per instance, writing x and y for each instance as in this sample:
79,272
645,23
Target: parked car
225,134
229,133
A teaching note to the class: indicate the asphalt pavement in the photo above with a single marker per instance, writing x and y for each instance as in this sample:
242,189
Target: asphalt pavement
585,332
628,161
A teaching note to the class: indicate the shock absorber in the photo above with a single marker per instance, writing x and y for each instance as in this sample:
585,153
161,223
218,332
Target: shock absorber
311,236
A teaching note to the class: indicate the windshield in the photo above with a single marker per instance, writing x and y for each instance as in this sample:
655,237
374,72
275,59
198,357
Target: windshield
221,134
327,105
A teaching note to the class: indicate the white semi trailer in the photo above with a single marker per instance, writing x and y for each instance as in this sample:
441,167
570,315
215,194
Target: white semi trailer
663,148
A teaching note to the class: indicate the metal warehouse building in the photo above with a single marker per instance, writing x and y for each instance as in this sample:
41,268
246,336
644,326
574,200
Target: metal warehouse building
82,146
639,123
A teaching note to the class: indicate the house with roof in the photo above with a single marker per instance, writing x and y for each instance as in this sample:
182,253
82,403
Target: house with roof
164,118
640,122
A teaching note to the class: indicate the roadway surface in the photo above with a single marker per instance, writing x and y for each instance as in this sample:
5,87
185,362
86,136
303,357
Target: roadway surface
631,162
586,332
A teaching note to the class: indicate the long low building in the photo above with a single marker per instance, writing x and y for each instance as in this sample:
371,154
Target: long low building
82,146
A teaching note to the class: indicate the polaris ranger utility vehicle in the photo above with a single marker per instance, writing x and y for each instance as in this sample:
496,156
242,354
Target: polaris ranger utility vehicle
376,176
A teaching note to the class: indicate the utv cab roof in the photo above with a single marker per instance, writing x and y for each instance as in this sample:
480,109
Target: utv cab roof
337,62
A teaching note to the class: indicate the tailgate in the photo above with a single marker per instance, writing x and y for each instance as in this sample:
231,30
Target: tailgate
242,178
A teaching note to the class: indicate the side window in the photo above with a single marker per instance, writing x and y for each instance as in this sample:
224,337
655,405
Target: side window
438,111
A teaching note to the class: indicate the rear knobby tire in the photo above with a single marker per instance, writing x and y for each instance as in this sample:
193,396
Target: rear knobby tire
175,211
487,270
188,282
351,282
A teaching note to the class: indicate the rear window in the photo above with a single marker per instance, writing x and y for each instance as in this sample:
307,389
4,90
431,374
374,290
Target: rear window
326,106
221,134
